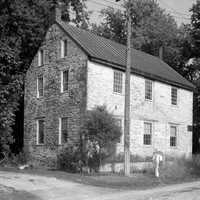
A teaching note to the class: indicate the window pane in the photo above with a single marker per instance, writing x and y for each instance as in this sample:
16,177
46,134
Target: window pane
174,96
41,57
148,89
117,86
64,129
41,132
173,133
40,86
147,139
65,48
65,80
147,133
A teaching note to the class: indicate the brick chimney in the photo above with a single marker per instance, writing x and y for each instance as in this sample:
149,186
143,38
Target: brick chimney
58,11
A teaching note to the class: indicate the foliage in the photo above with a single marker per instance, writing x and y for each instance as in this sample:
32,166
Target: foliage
113,26
195,32
71,159
23,24
152,28
133,158
101,133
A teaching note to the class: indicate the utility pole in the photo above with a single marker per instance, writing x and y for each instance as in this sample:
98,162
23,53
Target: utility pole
127,95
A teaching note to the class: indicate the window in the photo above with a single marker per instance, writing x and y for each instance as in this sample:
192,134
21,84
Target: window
40,131
40,87
63,130
41,57
64,80
147,133
173,134
148,89
63,48
174,95
117,85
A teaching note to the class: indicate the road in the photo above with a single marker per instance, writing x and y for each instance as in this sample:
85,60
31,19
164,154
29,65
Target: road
47,188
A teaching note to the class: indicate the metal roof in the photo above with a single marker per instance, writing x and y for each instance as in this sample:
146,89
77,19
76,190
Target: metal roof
108,52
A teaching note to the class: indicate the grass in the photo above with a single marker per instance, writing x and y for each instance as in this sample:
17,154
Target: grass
136,181
108,180
178,171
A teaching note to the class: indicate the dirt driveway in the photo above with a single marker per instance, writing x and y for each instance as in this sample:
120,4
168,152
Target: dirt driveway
47,188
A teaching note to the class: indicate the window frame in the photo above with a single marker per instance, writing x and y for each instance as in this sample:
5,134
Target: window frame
38,132
62,89
63,48
147,81
41,57
60,135
172,96
38,89
145,134
173,137
117,82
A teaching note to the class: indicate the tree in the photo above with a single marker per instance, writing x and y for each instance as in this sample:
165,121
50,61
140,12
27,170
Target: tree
101,133
23,24
152,28
195,28
195,50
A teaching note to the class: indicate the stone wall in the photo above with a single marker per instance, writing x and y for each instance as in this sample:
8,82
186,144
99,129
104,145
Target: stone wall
159,111
54,104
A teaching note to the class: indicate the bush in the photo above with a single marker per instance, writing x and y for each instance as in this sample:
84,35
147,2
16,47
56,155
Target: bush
101,132
181,168
15,159
133,158
70,159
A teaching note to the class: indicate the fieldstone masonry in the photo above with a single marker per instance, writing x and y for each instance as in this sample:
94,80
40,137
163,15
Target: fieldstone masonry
54,104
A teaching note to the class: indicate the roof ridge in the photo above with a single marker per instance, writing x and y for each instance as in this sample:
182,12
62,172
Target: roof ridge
112,41
111,52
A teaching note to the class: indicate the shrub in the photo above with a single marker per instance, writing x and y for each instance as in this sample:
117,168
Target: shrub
181,168
70,159
133,158
14,159
101,133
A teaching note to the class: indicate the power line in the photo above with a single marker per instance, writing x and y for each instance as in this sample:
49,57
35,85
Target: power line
174,10
175,14
105,5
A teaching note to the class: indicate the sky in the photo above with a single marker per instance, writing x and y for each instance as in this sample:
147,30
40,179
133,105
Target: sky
178,8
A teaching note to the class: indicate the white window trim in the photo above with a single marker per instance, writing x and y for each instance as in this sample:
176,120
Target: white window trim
61,83
152,132
38,94
40,57
118,93
177,100
59,132
177,133
37,132
62,49
152,92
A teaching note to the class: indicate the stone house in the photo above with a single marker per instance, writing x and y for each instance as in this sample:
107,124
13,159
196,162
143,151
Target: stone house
75,70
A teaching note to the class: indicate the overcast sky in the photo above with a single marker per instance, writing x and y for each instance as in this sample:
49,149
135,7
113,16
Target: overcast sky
178,8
